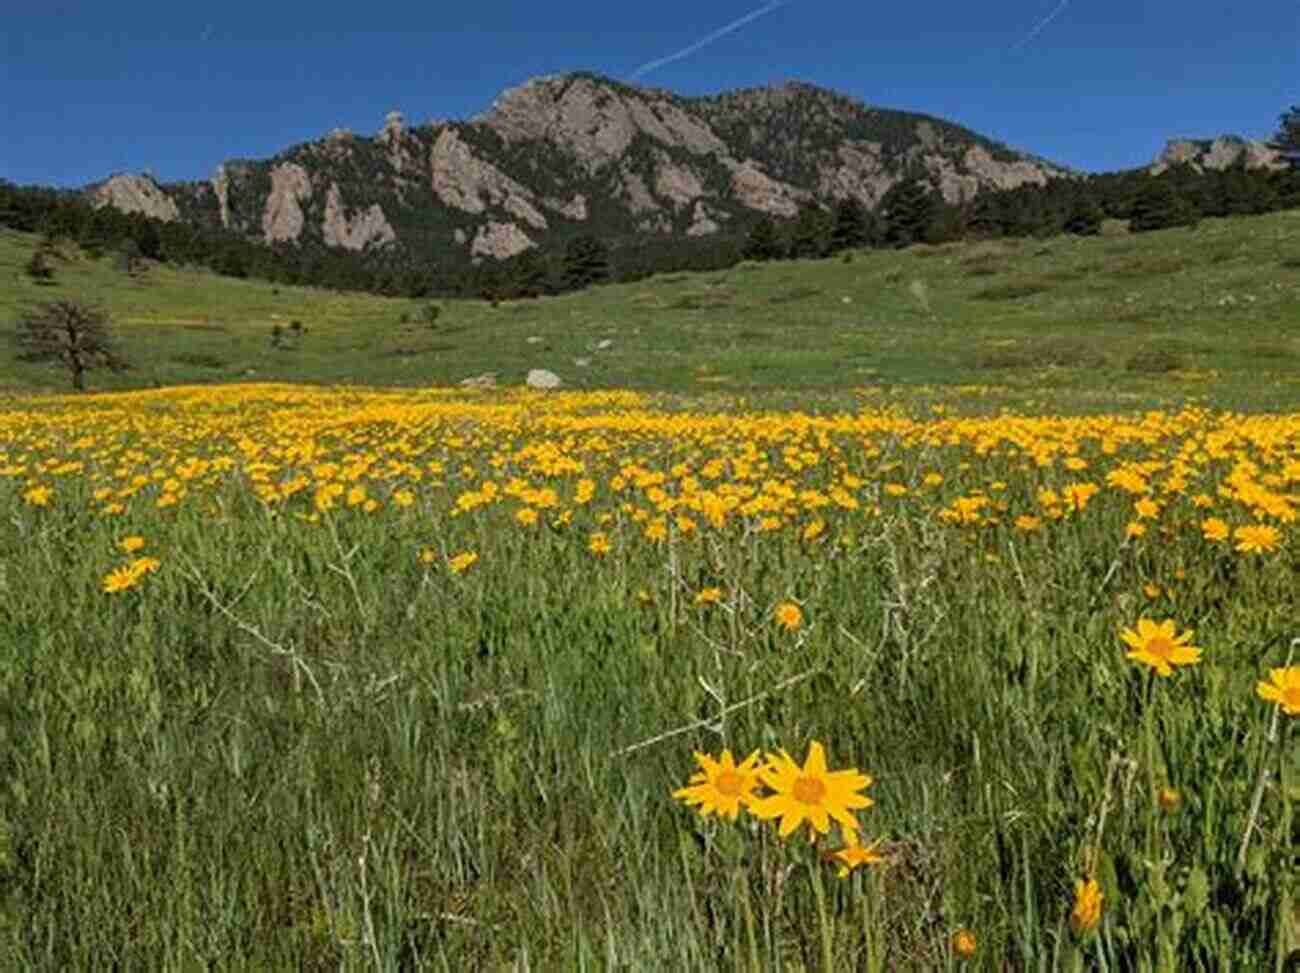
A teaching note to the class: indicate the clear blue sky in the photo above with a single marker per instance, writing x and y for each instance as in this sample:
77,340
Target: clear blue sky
89,87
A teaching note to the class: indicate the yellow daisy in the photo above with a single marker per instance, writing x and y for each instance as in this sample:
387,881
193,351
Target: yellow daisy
1257,538
854,854
789,616
119,579
721,785
1283,688
1086,914
811,793
1159,647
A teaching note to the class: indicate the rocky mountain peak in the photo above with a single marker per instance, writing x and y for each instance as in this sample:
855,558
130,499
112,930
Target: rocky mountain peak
563,154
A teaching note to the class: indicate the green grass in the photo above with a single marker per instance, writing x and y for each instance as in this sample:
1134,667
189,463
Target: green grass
1224,289
299,746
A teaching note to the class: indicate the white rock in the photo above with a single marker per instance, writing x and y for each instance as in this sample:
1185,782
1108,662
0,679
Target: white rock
540,378
607,343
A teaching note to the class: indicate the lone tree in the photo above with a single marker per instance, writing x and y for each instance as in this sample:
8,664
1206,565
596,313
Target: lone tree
73,334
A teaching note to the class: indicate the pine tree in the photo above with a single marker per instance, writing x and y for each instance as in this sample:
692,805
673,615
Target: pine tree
1288,129
763,243
810,238
528,275
1158,207
586,262
1084,217
850,230
989,216
909,207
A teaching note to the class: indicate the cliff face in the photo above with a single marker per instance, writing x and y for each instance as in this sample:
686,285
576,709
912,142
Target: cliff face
135,194
1219,153
560,155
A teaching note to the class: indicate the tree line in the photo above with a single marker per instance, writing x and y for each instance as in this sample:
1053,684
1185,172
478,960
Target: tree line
912,211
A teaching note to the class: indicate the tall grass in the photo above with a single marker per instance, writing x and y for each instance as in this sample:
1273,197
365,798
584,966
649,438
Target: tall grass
306,742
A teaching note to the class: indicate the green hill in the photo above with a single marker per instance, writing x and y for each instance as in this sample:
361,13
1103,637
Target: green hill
1212,312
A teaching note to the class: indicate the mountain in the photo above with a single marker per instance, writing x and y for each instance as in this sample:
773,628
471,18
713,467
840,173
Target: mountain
564,155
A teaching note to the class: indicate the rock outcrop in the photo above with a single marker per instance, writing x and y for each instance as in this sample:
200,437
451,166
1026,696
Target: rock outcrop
463,180
364,229
757,190
1219,153
499,240
594,121
136,194
282,219
220,183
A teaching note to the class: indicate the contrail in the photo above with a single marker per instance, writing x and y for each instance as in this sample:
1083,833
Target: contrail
1041,25
706,41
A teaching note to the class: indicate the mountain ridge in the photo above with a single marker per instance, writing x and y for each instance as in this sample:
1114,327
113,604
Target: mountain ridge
564,154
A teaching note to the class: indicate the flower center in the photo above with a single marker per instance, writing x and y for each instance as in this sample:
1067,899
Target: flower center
729,783
808,790
1160,647
1291,697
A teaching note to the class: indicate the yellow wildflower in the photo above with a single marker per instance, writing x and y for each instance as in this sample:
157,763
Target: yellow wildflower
1086,914
721,786
1159,647
811,793
1282,688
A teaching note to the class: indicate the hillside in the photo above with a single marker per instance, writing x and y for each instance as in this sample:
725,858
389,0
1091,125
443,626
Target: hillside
1208,312
579,153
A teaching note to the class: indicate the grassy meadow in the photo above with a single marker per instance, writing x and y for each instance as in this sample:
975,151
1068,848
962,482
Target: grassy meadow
1119,319
304,672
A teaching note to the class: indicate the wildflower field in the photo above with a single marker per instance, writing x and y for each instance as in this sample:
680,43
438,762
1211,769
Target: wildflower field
305,678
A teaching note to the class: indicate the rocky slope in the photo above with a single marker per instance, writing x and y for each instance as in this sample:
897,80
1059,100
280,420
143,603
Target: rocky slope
1220,153
567,154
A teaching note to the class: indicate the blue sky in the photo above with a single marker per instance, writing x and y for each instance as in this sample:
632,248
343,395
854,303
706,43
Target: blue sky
88,88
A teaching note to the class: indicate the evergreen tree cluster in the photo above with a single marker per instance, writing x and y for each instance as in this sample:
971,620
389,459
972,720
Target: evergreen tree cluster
912,211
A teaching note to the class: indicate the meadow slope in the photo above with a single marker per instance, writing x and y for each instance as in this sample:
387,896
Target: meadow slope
1138,319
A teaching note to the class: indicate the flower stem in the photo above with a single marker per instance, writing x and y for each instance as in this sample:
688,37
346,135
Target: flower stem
823,914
